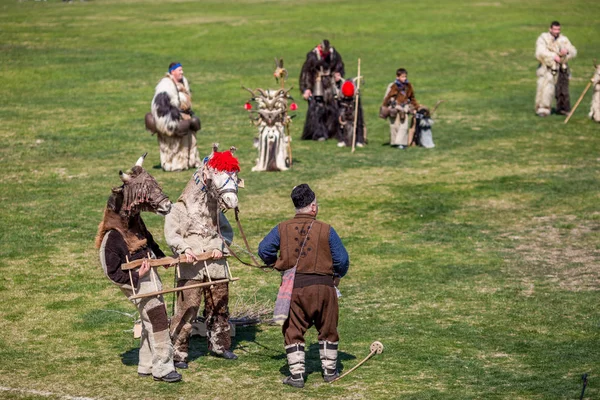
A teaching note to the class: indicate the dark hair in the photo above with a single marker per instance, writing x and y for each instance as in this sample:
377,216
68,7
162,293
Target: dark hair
554,23
302,195
401,71
172,64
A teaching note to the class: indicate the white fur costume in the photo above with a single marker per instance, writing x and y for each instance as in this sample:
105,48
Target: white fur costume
177,149
546,48
595,109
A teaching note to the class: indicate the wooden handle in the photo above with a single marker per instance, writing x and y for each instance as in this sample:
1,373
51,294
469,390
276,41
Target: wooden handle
159,262
356,99
179,289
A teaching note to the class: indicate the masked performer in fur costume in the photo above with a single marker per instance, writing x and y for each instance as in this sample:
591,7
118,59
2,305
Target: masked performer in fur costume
312,255
174,122
123,237
321,72
398,102
191,229
347,106
553,51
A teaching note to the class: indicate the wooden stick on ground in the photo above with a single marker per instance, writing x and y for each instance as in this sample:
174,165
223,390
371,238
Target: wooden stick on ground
179,289
356,108
578,101
376,347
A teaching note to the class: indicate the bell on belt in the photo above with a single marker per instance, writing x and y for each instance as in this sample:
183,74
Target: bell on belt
318,92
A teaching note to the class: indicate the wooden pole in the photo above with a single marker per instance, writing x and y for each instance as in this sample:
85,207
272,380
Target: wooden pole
179,289
356,108
578,101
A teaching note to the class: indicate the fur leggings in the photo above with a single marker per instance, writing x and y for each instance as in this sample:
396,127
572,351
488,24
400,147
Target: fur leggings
216,314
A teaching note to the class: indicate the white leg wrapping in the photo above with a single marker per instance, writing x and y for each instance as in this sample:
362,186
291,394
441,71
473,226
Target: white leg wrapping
295,356
328,352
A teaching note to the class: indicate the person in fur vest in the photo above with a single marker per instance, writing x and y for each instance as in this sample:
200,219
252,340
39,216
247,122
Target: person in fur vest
174,122
399,102
595,109
553,51
313,253
322,71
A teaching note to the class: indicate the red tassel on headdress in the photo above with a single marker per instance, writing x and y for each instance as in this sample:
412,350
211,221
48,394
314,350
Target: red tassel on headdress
224,161
348,89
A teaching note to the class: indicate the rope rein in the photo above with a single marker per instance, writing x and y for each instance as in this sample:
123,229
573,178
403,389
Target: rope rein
217,192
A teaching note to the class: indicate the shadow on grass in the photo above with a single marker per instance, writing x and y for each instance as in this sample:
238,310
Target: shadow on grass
198,346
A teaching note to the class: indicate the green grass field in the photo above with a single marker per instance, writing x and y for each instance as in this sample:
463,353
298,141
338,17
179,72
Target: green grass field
475,263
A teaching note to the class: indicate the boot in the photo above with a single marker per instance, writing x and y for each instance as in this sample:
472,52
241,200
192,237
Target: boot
295,356
328,352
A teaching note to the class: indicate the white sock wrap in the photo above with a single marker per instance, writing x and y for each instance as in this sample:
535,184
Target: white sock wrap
295,356
328,352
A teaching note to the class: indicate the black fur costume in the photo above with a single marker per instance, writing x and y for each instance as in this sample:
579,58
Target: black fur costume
322,115
346,111
563,100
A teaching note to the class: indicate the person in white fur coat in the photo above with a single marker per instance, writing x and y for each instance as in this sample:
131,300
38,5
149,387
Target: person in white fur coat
174,122
553,51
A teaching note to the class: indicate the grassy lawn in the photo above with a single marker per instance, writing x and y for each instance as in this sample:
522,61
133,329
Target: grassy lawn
476,263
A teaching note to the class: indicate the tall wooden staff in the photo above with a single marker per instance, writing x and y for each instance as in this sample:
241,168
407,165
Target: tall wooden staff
281,75
356,98
581,97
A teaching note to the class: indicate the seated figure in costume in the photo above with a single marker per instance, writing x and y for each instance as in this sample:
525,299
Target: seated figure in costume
553,51
174,122
321,73
122,237
312,259
398,102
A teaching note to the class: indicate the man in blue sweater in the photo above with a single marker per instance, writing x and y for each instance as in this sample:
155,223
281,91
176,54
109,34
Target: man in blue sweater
315,251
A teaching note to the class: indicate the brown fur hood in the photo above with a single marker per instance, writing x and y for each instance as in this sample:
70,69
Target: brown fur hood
112,221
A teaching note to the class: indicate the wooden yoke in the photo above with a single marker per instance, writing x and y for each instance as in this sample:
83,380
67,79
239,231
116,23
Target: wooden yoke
159,262
179,289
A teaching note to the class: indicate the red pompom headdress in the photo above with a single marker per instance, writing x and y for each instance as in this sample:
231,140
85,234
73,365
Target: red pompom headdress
348,89
224,161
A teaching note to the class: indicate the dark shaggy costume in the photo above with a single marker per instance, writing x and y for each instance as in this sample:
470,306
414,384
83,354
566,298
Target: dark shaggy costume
423,135
563,99
322,115
347,106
